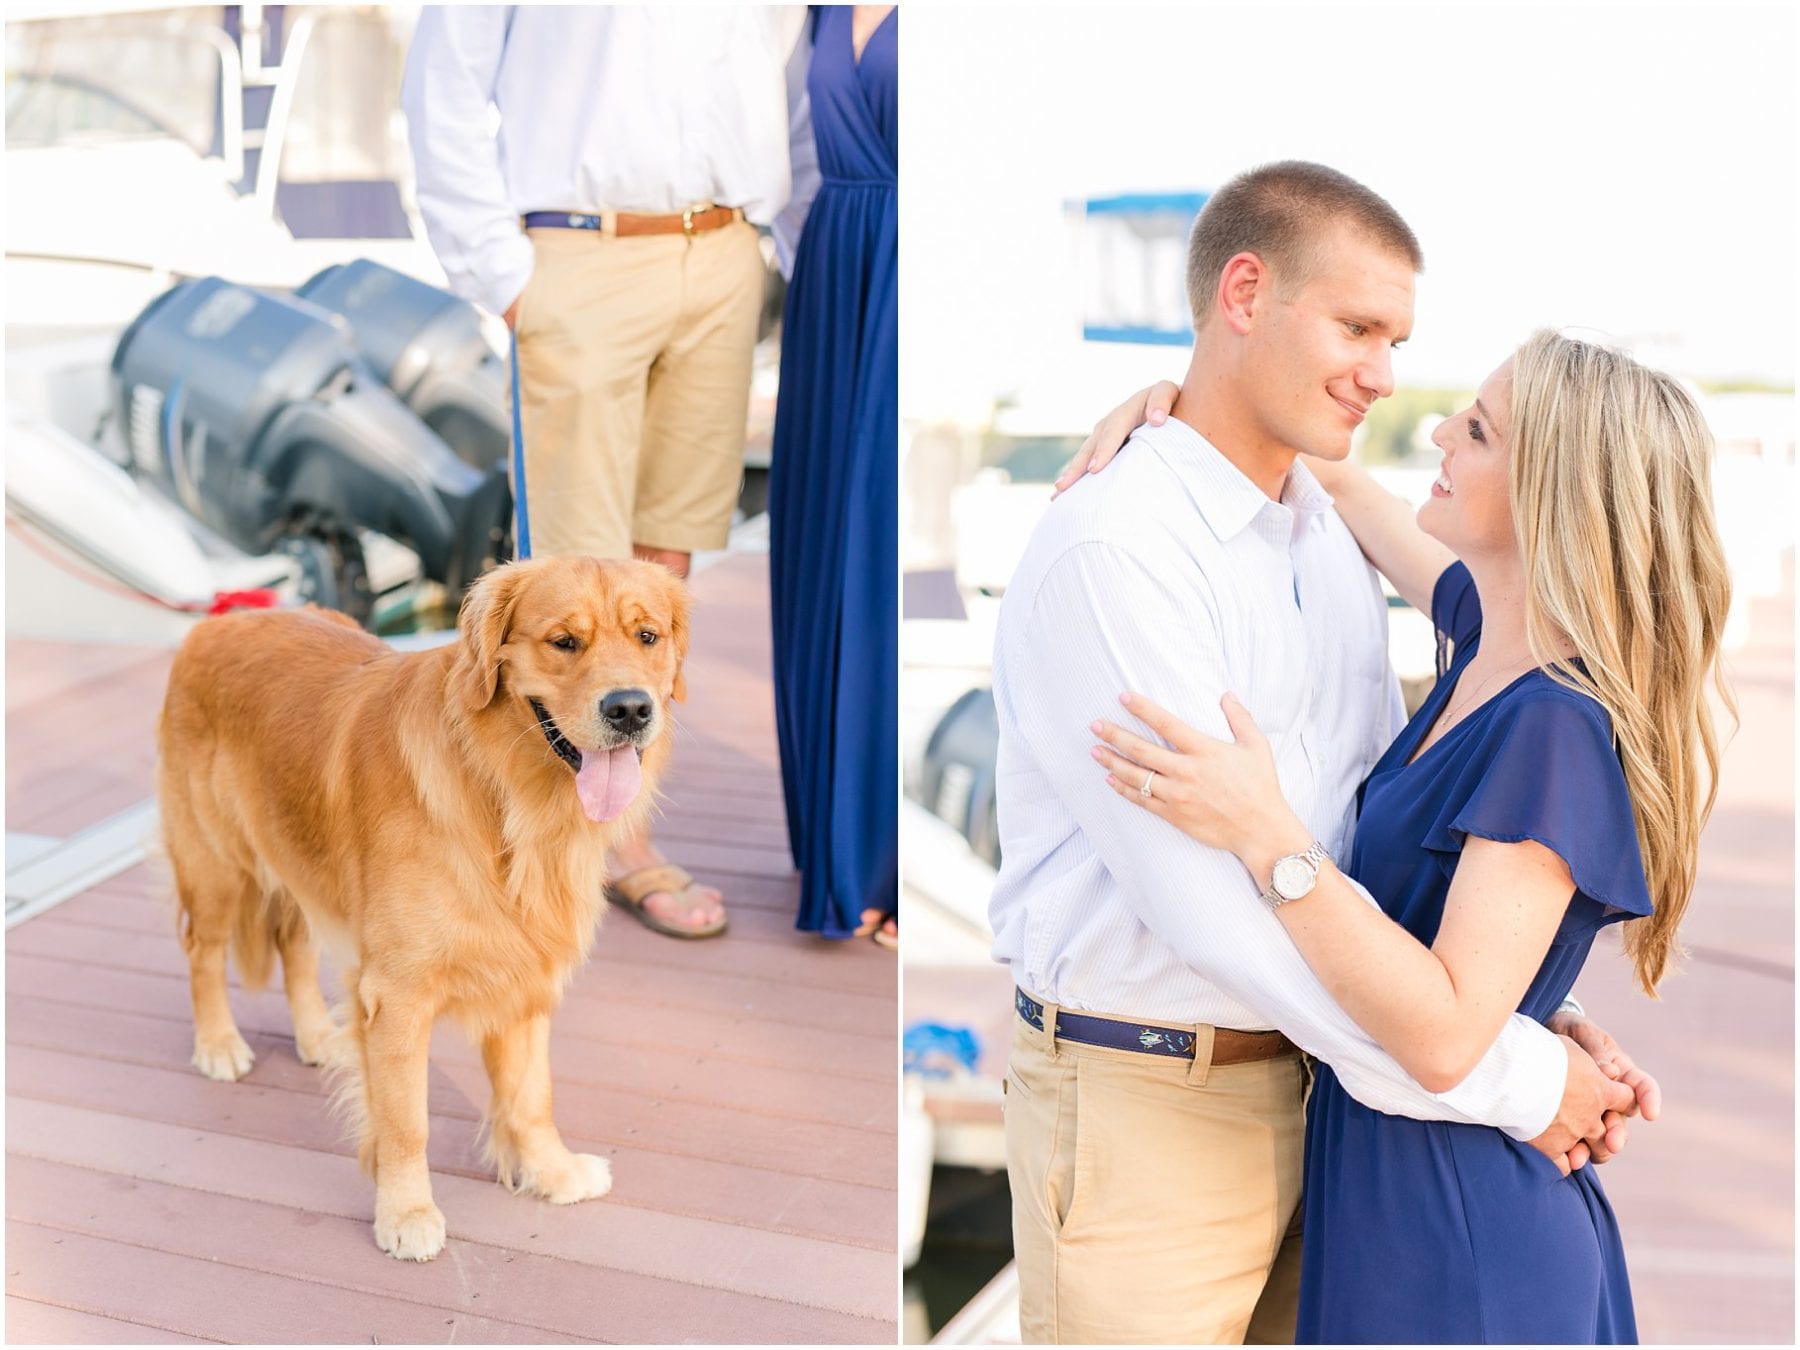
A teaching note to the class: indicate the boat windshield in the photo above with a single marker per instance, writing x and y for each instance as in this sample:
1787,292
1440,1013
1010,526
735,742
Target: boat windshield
94,80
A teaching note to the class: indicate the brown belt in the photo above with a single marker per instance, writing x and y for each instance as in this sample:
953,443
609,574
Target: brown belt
624,224
1151,1038
1244,1047
679,222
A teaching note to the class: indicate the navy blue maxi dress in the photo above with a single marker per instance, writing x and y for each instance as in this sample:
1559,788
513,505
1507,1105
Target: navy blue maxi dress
833,500
1426,1232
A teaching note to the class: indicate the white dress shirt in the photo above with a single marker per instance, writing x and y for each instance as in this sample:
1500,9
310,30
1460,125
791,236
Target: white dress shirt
639,108
1172,575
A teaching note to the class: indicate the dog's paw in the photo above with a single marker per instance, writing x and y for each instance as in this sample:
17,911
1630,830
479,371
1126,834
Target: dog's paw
579,1176
226,1060
415,1234
318,1045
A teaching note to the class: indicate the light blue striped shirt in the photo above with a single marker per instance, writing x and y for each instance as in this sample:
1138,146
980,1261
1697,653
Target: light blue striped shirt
1172,575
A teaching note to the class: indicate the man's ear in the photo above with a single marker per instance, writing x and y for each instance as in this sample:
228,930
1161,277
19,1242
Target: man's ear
678,634
1244,281
484,620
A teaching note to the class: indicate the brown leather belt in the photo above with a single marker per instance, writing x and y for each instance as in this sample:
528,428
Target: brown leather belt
624,224
1245,1047
1152,1038
680,222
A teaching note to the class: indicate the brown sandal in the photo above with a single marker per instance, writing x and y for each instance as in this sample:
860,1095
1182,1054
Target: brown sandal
874,927
632,889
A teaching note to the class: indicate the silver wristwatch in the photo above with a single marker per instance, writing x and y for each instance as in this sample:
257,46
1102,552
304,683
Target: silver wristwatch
1295,876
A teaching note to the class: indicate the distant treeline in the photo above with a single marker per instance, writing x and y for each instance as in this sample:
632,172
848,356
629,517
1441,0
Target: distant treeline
1392,433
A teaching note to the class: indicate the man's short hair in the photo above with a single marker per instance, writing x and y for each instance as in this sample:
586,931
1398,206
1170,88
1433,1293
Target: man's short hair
1282,213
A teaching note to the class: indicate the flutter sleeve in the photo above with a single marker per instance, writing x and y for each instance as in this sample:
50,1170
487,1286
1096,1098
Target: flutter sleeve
1545,769
1455,612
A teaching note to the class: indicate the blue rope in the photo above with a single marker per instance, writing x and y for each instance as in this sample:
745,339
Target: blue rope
521,516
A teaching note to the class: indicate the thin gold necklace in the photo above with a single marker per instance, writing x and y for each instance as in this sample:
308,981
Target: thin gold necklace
1449,718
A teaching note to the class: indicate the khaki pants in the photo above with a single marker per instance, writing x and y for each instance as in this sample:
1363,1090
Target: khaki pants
634,374
1155,1200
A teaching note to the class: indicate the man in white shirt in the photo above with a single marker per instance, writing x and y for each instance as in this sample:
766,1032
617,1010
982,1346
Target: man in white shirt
1154,1111
611,221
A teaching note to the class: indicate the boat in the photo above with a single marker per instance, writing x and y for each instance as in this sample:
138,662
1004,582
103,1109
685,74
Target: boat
233,166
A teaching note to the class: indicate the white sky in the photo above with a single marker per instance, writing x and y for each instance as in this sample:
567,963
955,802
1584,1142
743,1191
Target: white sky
1627,170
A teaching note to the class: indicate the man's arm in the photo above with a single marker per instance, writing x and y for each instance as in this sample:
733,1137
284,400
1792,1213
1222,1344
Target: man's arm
450,74
1102,622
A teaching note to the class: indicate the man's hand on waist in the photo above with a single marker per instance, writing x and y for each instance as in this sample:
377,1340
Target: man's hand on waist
1617,1065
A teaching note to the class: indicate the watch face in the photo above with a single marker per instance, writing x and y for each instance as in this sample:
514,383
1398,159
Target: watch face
1293,878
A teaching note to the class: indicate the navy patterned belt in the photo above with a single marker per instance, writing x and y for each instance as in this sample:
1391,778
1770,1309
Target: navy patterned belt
1147,1038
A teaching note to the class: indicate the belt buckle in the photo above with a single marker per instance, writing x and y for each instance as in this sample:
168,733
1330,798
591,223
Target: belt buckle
687,221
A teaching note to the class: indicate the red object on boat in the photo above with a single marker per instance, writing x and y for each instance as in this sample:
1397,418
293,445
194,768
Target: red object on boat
260,598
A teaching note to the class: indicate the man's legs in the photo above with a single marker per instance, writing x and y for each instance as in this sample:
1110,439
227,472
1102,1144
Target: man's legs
591,325
591,322
1150,1199
634,358
692,459
675,560
1278,1310
698,398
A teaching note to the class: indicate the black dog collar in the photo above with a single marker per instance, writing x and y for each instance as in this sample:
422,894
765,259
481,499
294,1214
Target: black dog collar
558,742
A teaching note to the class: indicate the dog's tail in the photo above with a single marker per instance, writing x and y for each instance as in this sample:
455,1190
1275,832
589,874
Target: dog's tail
262,922
346,1072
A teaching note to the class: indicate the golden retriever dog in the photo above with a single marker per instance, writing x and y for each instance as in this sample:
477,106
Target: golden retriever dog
439,821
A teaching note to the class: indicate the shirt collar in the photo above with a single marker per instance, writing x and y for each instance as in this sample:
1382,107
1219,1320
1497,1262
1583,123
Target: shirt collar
1224,496
1303,493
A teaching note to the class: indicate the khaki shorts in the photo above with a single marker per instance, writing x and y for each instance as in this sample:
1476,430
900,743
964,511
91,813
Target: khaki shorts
1153,1201
634,374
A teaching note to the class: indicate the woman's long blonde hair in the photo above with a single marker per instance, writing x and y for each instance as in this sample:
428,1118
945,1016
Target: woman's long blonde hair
1612,499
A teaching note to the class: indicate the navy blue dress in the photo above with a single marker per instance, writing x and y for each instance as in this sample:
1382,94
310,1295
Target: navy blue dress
833,499
1426,1232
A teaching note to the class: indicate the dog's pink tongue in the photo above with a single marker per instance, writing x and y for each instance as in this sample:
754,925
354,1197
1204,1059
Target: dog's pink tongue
607,782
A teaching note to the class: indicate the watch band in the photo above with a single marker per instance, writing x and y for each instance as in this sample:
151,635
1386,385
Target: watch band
1315,857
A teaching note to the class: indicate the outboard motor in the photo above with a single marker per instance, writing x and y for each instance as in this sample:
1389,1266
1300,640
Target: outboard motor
257,414
426,345
957,780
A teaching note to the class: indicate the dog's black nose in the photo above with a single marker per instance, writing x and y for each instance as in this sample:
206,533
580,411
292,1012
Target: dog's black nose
627,710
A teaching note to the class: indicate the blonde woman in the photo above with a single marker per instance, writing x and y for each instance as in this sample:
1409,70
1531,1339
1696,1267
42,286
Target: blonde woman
1555,781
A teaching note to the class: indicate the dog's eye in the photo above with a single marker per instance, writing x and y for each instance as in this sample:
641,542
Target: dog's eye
647,636
565,643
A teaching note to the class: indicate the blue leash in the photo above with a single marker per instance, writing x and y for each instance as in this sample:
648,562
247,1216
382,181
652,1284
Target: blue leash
521,515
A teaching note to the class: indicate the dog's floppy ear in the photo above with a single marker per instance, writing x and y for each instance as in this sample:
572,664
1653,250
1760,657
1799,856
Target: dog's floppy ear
678,634
483,620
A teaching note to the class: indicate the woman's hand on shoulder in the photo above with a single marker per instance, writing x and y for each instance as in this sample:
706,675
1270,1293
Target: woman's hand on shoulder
1110,433
1225,794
